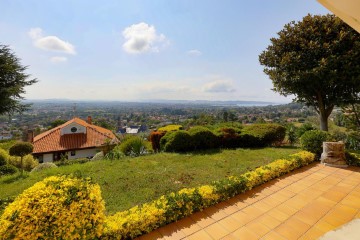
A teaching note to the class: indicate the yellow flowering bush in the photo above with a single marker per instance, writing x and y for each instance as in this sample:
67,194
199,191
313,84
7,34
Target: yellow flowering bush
135,221
170,128
59,207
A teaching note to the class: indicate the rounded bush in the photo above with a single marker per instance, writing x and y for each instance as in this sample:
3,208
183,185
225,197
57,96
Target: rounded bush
134,146
179,141
312,141
8,170
155,138
228,137
43,166
4,156
265,134
29,162
303,129
21,149
202,138
55,208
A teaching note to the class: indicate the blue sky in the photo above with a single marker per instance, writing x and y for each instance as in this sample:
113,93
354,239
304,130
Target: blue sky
153,49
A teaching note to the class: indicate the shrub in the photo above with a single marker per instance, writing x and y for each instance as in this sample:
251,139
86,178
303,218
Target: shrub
29,162
155,138
173,206
4,156
55,208
202,138
4,202
134,146
43,166
352,159
179,141
8,170
312,141
114,154
353,141
170,128
260,135
65,162
235,125
304,128
7,144
291,134
21,149
228,137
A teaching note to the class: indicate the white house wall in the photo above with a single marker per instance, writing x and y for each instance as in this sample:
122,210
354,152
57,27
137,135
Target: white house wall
48,157
84,153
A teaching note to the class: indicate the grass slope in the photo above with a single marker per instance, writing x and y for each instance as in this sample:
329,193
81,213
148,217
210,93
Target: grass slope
131,181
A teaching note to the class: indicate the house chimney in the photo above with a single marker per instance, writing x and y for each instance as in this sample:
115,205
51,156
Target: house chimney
30,136
89,120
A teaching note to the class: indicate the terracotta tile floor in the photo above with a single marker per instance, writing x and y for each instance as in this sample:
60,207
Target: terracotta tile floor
304,204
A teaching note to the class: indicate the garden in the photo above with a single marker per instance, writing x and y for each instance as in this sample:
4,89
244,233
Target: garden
140,185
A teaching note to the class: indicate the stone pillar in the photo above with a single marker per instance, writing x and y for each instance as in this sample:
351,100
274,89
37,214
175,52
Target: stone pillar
333,154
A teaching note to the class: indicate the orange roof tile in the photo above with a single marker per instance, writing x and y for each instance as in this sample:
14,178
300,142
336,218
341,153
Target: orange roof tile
52,140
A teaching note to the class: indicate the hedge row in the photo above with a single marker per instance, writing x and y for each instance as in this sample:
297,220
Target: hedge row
199,138
174,206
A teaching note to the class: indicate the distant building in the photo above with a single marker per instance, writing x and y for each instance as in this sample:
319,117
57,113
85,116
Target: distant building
5,135
132,129
73,139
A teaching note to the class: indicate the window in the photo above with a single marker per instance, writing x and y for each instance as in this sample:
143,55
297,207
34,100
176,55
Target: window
72,153
73,129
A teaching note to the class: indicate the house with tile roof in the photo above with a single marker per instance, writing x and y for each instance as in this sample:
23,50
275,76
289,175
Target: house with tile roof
74,139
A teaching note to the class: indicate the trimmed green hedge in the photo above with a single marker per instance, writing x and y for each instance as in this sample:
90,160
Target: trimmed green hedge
202,138
228,137
198,138
179,141
174,206
261,135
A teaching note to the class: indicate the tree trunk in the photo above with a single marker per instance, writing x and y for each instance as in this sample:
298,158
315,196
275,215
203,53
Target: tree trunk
323,122
324,111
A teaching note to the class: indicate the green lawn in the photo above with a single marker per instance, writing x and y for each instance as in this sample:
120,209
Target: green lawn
130,181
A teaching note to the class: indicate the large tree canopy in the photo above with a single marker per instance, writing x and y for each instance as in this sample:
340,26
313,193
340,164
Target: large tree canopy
317,60
13,79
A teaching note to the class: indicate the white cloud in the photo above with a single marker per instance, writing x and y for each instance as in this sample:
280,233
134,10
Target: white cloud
50,43
35,33
58,59
141,38
218,86
194,52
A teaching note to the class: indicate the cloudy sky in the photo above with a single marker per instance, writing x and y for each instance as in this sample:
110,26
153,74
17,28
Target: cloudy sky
149,49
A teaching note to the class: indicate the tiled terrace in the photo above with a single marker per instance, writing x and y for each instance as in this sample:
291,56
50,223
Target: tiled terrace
304,204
